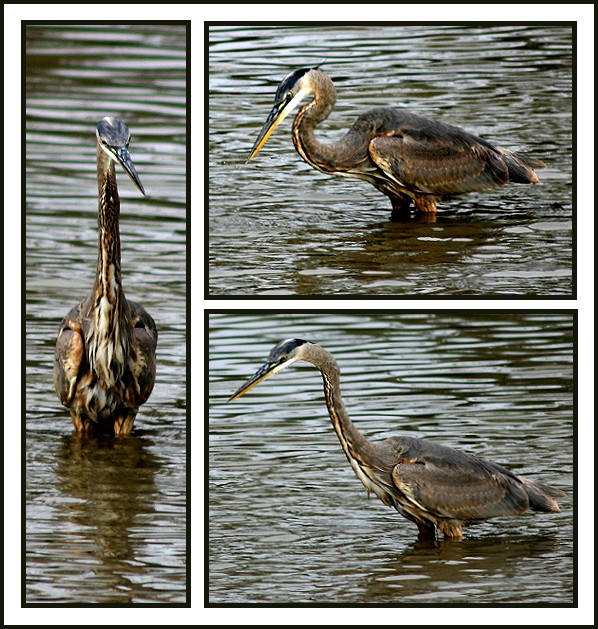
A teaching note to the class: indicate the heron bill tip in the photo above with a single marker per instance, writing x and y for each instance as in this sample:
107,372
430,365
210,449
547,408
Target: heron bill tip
261,374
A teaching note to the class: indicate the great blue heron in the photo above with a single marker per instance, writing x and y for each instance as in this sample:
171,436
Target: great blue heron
405,156
432,485
105,358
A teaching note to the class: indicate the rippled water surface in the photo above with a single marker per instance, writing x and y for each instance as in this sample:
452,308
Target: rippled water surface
290,523
105,518
278,227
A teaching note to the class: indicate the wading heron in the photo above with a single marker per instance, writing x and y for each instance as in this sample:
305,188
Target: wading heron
105,358
407,157
434,486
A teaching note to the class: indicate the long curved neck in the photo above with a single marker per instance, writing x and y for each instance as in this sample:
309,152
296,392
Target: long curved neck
367,460
108,276
108,338
352,441
311,150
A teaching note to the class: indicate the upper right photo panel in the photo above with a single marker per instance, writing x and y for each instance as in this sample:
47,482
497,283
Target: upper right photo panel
390,161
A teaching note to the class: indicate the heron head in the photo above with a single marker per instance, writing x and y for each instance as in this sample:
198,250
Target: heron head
280,357
113,138
291,91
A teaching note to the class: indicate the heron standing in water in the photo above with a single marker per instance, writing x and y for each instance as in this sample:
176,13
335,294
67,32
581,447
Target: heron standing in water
434,486
407,157
105,358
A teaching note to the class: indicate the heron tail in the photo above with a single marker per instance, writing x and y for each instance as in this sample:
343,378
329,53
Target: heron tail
521,168
542,497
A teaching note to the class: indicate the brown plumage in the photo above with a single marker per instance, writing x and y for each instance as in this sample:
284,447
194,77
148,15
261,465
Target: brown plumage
105,357
409,158
436,487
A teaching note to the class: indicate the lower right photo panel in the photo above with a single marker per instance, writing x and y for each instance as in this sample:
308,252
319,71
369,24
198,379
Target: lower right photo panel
459,425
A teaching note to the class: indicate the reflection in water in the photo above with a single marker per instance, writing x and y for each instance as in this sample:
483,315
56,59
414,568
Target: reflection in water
394,253
462,572
112,482
115,478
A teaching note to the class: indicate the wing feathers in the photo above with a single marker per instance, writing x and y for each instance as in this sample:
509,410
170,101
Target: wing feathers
460,493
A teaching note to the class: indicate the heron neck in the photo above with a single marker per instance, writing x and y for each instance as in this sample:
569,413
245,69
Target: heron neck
108,278
352,441
109,337
318,155
333,157
368,461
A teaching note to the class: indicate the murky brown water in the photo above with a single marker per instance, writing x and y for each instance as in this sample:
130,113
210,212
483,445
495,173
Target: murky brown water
290,523
278,227
105,519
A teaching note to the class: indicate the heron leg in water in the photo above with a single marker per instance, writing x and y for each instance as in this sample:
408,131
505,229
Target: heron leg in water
426,205
401,208
399,203
451,530
426,532
123,425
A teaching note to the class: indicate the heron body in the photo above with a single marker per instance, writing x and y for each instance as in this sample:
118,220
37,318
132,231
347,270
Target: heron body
105,357
407,157
438,488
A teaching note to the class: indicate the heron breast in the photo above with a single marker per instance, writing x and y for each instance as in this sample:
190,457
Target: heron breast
371,484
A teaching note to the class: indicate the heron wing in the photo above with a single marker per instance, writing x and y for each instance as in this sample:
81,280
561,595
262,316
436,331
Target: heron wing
438,160
462,492
68,355
146,334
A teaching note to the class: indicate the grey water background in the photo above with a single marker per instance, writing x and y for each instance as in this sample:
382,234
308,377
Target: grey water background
105,519
278,227
290,523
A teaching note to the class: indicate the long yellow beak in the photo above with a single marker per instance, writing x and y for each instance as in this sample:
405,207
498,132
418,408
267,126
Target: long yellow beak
262,373
279,112
267,370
